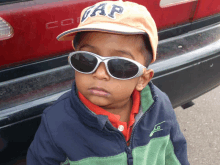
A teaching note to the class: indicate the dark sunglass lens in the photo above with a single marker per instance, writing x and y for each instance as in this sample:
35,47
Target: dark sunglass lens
122,68
83,62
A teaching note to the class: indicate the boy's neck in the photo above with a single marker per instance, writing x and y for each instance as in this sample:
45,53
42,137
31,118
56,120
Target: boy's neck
123,110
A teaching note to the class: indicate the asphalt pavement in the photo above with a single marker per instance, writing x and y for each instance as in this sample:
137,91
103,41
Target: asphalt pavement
200,125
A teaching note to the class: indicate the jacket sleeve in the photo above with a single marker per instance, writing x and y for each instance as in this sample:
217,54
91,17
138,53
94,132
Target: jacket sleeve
43,150
178,147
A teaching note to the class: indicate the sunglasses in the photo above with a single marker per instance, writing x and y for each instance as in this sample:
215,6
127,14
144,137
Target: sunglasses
117,67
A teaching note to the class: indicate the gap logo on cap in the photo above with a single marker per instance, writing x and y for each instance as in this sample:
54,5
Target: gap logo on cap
101,10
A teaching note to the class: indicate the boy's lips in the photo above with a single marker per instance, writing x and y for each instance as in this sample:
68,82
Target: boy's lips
99,91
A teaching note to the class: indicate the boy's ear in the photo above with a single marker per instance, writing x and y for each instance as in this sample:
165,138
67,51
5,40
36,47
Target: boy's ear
144,79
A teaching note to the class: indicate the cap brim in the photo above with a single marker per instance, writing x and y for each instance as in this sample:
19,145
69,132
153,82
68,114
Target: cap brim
104,27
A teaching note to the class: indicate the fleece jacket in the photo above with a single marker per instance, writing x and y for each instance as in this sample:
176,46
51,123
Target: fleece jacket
71,134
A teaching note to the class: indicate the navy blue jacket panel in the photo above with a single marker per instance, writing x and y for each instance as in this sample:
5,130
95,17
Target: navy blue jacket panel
69,130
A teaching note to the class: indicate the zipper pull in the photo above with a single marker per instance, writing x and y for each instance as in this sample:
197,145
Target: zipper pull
128,150
129,155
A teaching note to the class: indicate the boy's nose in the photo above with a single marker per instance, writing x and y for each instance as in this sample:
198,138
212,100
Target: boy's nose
101,72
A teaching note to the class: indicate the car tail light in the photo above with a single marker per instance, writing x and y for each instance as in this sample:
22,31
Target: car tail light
6,30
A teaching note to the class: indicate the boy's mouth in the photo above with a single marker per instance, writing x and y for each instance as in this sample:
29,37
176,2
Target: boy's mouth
99,91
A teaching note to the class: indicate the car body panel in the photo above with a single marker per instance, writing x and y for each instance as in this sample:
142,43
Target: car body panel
206,8
36,31
37,25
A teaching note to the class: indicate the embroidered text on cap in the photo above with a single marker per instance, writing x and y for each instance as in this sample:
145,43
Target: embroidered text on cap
101,9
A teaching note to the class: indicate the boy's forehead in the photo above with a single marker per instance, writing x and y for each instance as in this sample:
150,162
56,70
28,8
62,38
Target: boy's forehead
110,44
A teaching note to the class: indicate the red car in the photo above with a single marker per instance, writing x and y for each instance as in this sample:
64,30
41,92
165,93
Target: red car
34,71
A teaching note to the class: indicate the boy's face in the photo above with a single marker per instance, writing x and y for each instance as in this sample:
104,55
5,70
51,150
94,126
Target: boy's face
100,88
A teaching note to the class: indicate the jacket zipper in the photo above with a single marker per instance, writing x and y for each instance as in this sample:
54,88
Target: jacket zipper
129,148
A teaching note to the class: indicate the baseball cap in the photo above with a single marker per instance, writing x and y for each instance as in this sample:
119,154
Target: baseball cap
116,17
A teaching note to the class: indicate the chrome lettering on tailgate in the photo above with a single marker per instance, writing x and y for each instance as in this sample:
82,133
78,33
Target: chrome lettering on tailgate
65,22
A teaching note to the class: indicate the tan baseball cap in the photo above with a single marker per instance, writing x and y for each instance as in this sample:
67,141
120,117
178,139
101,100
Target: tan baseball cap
116,17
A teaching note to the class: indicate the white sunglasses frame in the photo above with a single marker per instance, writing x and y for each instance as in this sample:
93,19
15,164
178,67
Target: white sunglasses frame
105,61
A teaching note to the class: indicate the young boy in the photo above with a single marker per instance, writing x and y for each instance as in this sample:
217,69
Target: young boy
113,115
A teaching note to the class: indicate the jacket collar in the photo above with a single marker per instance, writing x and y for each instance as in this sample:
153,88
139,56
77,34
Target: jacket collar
99,121
147,97
87,116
